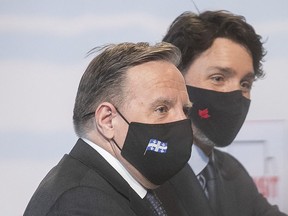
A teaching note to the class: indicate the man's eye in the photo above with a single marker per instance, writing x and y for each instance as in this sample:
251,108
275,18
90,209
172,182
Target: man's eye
246,85
217,78
161,109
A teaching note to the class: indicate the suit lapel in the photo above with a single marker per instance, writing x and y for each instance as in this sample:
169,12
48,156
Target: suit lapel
171,202
189,192
91,158
138,205
226,174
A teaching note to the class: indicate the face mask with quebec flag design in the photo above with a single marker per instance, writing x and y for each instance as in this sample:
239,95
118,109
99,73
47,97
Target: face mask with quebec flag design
158,151
219,115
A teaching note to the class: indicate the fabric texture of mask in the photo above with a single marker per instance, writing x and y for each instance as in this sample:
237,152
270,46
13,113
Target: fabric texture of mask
219,115
158,151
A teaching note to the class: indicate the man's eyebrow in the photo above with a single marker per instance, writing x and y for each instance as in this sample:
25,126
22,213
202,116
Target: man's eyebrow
229,71
163,101
225,70
250,76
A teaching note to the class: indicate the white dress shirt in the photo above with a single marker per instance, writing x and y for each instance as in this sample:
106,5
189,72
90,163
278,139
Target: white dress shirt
116,164
198,160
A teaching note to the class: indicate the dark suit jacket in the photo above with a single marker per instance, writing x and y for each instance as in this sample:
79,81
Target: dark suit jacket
83,183
237,193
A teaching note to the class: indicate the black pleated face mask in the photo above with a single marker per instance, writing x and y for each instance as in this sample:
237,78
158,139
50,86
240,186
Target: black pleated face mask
158,151
219,115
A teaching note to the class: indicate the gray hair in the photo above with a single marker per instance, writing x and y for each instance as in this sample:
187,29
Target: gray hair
104,78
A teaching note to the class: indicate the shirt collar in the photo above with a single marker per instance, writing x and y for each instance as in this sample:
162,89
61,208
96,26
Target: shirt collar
198,159
116,164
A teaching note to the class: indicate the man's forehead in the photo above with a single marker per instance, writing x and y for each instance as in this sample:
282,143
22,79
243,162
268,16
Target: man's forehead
156,74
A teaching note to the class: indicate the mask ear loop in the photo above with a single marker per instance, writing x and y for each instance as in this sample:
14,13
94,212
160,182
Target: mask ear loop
126,122
116,144
122,116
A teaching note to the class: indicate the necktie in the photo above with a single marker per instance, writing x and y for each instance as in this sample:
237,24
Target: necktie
207,179
155,203
202,180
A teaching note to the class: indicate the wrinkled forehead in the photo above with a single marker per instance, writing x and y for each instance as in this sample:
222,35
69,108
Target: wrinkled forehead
155,73
155,78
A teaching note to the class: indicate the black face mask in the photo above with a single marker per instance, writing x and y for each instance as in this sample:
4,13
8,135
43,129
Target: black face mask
158,151
219,115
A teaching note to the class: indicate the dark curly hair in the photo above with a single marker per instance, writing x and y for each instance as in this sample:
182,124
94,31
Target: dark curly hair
193,34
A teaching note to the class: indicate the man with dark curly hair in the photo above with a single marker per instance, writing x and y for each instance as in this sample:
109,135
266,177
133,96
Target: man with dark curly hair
221,58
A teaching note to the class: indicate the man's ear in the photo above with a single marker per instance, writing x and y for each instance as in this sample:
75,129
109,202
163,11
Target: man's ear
104,115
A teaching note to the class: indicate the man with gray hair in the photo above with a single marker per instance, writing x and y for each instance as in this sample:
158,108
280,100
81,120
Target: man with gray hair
134,135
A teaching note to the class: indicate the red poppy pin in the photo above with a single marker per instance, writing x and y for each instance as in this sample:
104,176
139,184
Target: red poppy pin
204,113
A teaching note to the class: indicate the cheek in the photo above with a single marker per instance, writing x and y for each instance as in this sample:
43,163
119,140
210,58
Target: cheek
193,79
120,134
247,95
195,75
